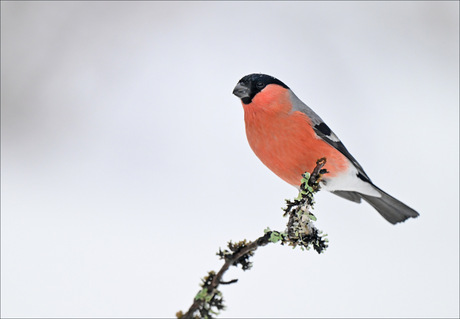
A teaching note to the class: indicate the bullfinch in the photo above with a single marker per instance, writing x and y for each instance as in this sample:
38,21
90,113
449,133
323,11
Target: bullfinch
288,137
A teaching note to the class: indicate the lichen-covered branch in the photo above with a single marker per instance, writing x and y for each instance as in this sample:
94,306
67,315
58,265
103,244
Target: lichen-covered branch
300,231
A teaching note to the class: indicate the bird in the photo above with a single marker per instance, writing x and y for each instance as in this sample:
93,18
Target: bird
289,137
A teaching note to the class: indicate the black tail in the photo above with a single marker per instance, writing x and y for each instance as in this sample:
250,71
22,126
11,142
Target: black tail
389,207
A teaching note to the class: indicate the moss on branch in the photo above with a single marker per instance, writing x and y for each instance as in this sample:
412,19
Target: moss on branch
300,231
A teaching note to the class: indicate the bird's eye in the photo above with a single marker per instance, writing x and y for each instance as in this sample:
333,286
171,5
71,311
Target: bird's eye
260,85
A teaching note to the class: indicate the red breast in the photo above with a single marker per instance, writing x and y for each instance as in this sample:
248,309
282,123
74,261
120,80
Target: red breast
284,140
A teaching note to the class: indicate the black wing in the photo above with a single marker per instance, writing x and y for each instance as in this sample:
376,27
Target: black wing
325,133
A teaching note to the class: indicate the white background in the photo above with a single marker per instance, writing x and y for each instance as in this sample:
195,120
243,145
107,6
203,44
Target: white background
125,164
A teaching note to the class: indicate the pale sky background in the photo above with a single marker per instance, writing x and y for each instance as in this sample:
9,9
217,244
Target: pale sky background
125,164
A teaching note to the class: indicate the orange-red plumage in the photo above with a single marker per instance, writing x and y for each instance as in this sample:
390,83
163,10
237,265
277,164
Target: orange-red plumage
288,137
284,140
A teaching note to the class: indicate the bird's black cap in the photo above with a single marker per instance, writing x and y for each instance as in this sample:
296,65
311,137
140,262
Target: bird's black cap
252,84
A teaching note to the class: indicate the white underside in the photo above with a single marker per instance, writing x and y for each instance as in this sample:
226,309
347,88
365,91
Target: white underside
349,181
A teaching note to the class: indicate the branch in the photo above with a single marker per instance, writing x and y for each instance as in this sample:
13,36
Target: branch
300,232
238,257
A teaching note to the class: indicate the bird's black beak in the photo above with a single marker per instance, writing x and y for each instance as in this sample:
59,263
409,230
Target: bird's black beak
241,91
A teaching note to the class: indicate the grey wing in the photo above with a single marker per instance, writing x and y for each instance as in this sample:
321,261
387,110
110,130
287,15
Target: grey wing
325,133
353,196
